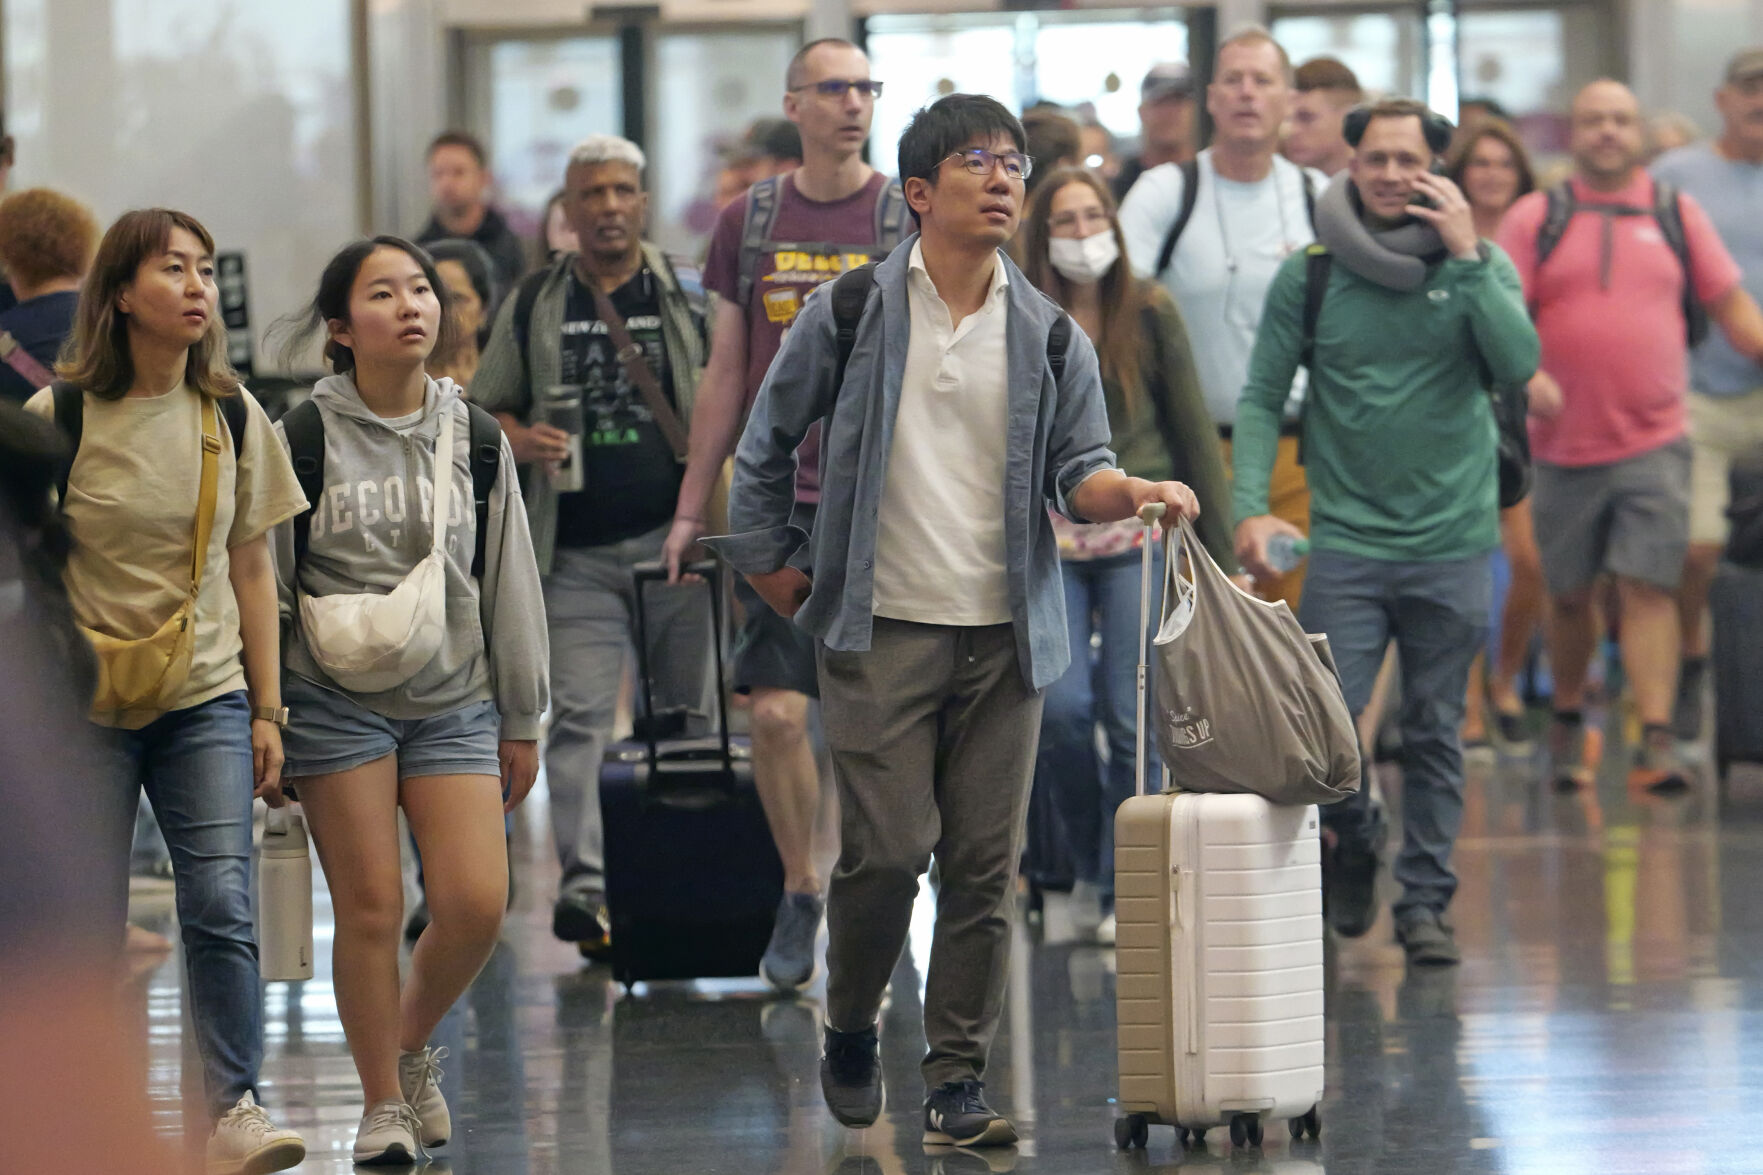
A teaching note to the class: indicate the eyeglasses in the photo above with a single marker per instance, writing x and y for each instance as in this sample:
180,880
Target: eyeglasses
980,161
839,87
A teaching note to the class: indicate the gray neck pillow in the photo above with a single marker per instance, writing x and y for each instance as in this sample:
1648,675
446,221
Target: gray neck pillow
1396,258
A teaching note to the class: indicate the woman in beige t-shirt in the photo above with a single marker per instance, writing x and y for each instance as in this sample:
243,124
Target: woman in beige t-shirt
148,349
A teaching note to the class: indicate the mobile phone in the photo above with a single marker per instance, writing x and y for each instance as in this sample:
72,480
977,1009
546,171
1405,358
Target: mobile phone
1421,199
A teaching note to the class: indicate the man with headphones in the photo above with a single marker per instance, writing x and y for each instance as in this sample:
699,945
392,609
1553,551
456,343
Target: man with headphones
1404,319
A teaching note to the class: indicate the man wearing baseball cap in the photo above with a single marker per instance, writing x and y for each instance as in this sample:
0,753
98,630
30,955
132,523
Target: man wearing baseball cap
1726,388
1166,123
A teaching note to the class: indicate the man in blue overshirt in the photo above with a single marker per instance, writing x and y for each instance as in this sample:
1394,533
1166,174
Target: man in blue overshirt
935,592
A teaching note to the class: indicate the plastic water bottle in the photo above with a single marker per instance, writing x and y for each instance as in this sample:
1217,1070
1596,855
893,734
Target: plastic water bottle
1285,552
284,883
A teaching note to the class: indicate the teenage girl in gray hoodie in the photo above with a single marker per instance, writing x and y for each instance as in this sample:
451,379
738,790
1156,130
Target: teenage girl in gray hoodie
455,743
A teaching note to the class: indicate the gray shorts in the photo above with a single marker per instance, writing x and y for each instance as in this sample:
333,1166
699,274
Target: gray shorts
771,652
330,732
1630,519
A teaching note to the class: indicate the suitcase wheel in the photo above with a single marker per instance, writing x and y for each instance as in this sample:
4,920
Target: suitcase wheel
1307,1123
1245,1130
1131,1131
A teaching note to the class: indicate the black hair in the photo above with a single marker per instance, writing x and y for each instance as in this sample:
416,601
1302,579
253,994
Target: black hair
332,301
948,125
479,270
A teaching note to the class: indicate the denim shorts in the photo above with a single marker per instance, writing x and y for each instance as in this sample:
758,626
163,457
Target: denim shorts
330,732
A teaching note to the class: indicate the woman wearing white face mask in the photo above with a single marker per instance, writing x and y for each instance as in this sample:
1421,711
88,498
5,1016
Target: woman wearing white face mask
1072,250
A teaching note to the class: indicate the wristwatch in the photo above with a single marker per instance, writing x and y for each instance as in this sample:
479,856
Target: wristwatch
275,714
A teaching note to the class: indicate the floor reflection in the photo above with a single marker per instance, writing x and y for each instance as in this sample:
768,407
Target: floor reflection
1602,1022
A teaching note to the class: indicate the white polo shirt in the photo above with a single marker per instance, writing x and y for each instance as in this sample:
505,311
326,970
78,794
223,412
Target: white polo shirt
939,547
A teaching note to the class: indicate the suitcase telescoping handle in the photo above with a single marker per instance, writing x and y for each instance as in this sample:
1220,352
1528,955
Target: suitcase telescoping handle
1151,513
708,571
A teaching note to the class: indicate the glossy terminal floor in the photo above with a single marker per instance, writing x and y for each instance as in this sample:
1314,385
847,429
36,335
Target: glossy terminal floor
1608,1018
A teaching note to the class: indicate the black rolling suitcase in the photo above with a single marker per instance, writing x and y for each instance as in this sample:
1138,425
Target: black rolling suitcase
693,879
1736,604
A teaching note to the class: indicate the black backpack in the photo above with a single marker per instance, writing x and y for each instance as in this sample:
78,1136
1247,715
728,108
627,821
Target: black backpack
1511,405
850,293
70,418
1666,211
1190,195
304,428
892,224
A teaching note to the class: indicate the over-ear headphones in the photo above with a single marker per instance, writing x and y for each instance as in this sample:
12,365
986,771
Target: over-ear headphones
1436,127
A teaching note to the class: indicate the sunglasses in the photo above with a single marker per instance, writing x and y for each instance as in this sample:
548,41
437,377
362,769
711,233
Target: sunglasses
838,87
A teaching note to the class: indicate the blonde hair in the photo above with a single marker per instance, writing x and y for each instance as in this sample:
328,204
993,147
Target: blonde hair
98,359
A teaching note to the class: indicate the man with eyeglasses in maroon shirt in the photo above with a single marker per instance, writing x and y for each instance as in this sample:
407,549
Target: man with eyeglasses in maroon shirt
789,234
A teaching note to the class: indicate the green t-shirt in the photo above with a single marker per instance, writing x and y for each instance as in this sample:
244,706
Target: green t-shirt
1399,434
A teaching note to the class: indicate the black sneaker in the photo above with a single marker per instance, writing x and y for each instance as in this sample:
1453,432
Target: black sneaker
1427,940
851,1077
956,1114
1349,882
581,918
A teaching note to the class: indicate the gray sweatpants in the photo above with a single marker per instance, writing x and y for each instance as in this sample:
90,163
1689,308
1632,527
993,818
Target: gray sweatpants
590,604
933,734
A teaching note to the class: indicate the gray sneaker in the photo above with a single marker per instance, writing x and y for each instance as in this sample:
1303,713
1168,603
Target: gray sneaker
1427,940
788,964
387,1136
419,1076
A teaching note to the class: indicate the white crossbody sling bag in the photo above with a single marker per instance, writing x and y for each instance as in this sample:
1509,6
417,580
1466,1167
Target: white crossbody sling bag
371,643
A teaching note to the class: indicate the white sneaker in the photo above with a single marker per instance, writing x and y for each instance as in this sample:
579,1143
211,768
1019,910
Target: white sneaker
387,1136
419,1076
1105,931
246,1142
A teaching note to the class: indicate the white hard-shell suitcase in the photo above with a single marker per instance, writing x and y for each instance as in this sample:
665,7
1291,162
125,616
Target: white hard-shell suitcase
1219,990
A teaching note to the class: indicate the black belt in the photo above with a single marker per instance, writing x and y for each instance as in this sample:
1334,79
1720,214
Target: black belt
1287,428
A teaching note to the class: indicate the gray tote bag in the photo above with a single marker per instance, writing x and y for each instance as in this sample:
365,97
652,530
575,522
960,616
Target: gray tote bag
1246,701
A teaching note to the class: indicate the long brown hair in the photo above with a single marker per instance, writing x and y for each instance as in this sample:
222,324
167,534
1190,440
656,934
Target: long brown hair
98,358
1493,128
1123,295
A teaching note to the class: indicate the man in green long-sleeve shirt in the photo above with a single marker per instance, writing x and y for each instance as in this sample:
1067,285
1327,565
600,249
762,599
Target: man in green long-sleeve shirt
1400,443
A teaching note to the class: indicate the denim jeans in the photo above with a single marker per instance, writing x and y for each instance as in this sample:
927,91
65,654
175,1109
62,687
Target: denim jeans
1101,596
1437,613
195,766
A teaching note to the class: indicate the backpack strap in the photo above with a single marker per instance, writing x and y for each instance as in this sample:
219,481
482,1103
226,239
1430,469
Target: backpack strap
1668,211
304,428
850,295
756,225
1560,209
525,296
1309,196
486,465
70,413
1058,343
1190,195
237,417
893,217
1318,262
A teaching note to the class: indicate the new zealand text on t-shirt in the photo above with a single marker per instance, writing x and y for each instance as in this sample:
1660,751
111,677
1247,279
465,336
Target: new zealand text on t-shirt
811,242
630,479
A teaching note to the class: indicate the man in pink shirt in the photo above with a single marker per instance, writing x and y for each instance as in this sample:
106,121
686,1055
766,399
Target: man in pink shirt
1608,426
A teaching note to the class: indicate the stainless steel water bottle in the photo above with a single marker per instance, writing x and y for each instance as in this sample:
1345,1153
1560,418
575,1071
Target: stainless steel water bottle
284,897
